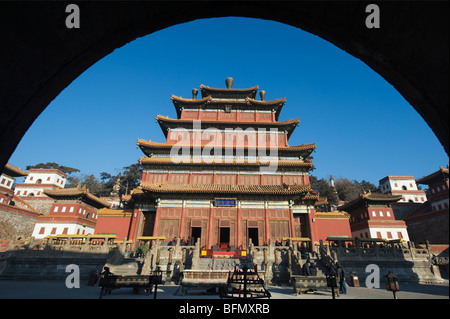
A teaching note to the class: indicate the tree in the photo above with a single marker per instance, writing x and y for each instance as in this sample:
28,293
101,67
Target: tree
368,186
347,190
132,175
130,178
53,165
90,182
108,182
325,190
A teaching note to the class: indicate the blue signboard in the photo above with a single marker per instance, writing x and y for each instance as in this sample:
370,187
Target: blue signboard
225,202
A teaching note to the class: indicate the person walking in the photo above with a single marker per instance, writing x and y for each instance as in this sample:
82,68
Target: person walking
333,271
341,278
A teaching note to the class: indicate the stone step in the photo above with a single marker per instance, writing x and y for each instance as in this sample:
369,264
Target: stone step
48,268
128,267
220,264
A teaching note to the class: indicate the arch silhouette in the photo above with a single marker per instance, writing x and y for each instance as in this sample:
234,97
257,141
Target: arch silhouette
40,56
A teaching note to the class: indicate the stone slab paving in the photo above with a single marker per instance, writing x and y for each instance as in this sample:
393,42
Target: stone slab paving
12,289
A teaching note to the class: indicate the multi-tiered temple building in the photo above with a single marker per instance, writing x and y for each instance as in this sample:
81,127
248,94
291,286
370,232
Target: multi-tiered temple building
226,174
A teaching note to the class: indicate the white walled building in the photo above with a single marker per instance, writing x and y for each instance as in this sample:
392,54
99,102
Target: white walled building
17,217
73,212
371,216
39,180
36,183
405,186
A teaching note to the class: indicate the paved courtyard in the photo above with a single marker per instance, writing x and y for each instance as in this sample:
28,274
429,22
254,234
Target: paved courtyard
11,289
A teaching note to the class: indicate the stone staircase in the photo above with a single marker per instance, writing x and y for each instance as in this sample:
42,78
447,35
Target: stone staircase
221,264
44,267
320,267
129,266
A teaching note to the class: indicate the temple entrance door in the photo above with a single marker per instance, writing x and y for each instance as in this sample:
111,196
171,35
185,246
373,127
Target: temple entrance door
196,232
304,229
149,223
224,238
253,235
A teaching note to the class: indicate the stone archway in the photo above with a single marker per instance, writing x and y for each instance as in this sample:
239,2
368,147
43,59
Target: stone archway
40,56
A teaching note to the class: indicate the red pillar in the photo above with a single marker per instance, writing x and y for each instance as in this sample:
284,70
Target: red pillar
157,220
266,225
210,228
134,225
306,180
238,226
291,222
182,221
312,226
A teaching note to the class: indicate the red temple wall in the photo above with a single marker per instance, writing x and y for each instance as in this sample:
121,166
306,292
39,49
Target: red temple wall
231,116
331,227
178,222
270,223
224,179
113,224
235,138
88,211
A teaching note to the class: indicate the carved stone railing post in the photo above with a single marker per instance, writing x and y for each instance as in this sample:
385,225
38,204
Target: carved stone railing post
376,249
411,249
340,250
50,243
394,251
86,244
357,248
429,255
122,247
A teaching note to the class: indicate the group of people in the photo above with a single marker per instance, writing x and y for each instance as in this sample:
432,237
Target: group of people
309,269
336,270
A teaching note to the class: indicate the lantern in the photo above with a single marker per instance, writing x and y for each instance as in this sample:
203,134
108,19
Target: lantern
392,284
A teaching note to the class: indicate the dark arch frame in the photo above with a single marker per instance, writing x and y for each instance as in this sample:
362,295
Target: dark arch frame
40,56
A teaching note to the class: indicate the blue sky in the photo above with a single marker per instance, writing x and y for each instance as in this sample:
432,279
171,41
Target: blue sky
363,128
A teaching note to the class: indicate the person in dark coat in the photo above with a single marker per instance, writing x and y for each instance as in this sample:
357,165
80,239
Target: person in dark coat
331,270
306,271
341,278
313,269
106,272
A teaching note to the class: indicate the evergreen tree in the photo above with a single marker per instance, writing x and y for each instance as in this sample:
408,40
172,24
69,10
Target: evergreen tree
53,165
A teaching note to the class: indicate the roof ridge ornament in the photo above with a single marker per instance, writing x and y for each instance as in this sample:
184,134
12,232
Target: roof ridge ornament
262,94
194,93
229,81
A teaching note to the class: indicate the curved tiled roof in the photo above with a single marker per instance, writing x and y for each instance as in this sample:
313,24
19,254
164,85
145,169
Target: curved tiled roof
165,122
440,175
238,104
13,171
214,92
201,101
150,144
76,192
110,212
208,99
228,189
268,123
370,197
190,161
332,215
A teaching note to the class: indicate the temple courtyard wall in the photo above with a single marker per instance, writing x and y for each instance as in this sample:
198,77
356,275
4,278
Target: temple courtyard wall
275,264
